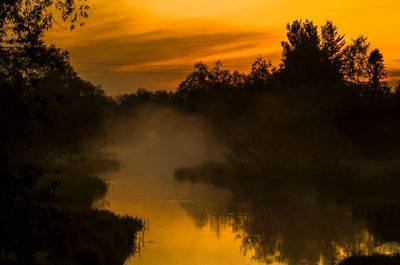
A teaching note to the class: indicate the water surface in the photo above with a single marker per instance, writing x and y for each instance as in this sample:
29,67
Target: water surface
198,224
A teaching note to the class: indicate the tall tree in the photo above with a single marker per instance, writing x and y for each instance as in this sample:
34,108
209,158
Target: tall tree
332,46
376,72
355,60
301,55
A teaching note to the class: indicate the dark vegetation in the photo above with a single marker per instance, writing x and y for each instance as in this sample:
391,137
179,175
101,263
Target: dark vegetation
323,124
49,120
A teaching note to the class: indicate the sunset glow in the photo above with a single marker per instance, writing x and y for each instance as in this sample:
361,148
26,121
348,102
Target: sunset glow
200,132
127,44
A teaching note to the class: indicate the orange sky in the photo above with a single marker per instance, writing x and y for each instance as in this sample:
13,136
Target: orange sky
127,44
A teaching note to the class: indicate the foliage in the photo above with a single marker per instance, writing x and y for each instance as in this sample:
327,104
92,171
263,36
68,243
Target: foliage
23,22
323,127
301,54
356,56
376,72
47,114
332,47
289,128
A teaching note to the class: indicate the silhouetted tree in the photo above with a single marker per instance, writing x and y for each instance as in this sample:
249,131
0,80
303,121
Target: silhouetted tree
355,60
260,73
238,79
22,26
218,76
376,73
332,46
301,55
47,112
23,22
206,78
198,78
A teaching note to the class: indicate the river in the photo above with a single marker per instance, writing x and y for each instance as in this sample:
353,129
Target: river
192,223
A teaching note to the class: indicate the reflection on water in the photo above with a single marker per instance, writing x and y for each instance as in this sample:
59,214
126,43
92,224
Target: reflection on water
172,236
200,224
145,187
302,232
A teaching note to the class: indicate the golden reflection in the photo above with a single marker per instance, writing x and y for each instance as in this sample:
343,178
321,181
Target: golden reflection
197,224
172,236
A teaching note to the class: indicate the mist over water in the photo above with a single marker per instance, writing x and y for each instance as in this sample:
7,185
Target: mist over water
160,139
195,223
292,163
151,143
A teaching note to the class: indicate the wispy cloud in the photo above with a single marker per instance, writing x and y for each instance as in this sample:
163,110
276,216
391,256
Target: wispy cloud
394,74
159,46
170,55
154,43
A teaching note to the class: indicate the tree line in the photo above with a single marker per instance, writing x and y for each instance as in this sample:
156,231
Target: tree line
327,101
323,123
345,83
